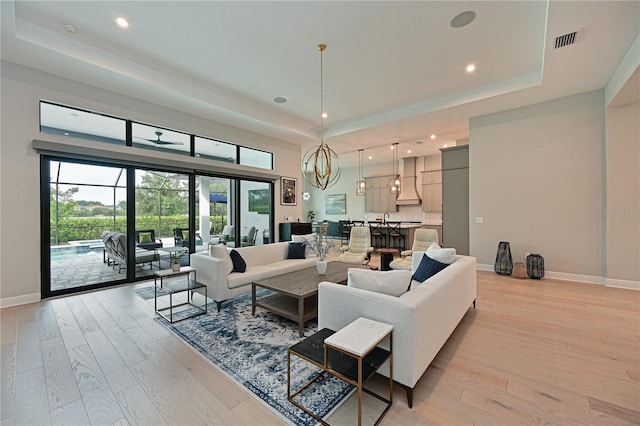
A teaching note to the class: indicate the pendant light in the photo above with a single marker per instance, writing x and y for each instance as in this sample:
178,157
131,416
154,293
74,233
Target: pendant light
320,164
361,184
306,195
394,182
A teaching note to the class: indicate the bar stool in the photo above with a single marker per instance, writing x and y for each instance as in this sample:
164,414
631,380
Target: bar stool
345,231
396,237
378,237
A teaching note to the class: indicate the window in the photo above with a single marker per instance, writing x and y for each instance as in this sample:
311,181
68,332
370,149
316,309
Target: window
72,122
77,123
256,158
216,150
158,139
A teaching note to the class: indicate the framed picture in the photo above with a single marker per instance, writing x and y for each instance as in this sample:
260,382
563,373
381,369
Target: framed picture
288,196
335,204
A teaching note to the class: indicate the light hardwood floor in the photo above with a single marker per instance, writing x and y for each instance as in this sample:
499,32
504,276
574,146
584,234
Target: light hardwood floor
532,352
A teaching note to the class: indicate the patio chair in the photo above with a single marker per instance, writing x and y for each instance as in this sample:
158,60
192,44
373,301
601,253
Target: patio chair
181,237
146,239
250,238
359,247
227,235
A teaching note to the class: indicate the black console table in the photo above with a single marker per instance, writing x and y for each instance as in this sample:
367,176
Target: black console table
294,228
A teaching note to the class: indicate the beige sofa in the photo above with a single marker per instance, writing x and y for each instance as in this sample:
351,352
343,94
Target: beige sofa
263,261
423,318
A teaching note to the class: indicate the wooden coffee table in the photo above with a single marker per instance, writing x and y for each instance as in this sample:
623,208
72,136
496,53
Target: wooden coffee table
295,294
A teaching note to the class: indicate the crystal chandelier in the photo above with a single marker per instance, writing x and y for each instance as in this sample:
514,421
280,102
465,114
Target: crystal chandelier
320,164
361,184
394,182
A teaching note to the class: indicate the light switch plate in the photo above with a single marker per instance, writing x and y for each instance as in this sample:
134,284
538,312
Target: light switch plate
479,219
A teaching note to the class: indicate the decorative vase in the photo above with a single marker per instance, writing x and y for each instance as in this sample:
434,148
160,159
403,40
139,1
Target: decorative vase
321,265
175,267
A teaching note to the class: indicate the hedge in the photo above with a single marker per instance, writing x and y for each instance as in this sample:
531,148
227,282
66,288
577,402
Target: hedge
90,228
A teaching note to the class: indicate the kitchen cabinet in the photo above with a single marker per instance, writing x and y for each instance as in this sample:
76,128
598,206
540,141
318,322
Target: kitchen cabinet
432,191
378,197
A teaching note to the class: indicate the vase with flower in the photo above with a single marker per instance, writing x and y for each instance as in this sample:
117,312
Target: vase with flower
320,249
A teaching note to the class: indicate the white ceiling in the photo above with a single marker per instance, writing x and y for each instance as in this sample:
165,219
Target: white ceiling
393,70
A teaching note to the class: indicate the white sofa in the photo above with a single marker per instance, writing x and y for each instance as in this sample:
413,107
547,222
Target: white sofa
263,261
423,318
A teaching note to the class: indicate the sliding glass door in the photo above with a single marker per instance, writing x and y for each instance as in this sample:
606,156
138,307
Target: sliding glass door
104,224
161,221
85,202
255,211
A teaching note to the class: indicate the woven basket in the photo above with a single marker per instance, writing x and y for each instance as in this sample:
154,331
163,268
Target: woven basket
519,270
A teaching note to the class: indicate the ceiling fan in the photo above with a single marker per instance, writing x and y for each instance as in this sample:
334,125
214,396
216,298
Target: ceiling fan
159,141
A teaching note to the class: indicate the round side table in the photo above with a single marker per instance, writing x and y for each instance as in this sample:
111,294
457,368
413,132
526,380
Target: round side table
386,257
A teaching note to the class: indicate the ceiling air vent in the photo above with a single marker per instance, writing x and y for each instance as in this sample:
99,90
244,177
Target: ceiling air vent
566,40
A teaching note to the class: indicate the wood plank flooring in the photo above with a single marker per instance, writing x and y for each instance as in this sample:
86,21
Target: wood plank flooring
532,352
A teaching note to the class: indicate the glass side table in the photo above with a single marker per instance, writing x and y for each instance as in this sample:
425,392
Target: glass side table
172,287
352,354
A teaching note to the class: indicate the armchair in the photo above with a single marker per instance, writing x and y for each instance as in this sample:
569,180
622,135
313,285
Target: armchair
250,238
422,239
146,239
359,247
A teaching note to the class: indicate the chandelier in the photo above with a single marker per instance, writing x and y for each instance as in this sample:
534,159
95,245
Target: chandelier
320,164
394,182
361,184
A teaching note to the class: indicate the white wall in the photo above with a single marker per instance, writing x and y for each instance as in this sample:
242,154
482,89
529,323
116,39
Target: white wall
22,89
623,195
536,176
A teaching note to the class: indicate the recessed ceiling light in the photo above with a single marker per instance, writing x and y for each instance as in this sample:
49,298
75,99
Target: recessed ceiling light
324,115
122,22
471,68
433,136
69,27
370,157
393,147
279,100
445,145
66,133
463,19
408,151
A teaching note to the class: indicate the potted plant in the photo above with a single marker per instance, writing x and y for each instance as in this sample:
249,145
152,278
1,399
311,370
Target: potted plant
175,261
311,216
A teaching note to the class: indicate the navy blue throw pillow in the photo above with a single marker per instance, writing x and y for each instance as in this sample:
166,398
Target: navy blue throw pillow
239,265
296,251
428,267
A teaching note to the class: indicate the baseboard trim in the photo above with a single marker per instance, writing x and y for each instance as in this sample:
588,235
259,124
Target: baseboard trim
632,285
19,300
590,279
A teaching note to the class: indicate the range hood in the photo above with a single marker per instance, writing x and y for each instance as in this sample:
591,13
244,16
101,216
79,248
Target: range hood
408,191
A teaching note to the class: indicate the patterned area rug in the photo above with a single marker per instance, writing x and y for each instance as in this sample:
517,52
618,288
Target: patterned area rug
253,351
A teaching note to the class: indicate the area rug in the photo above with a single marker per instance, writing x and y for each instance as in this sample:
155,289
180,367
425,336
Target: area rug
252,350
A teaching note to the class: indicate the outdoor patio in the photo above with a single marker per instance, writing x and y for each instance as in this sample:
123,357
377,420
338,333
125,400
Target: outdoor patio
71,270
